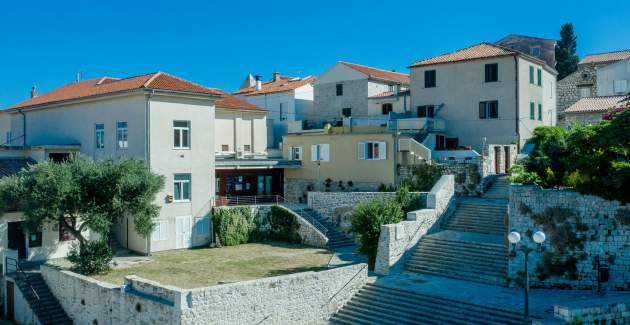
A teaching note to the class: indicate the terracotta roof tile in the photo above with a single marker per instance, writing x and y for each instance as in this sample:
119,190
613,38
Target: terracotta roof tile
231,102
479,51
594,104
107,85
609,57
388,94
380,73
281,85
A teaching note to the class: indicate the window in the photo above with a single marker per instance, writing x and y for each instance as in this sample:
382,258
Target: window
247,147
64,234
202,226
181,187
426,111
585,92
535,51
489,109
492,72
540,112
531,74
539,77
372,150
390,88
9,136
452,143
339,89
122,134
225,147
181,134
99,135
532,115
58,156
35,239
320,152
161,231
386,108
282,112
295,153
346,112
440,143
620,87
429,79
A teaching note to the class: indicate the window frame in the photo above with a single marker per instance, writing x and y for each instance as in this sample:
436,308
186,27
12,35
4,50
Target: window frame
531,75
247,148
180,130
430,78
180,183
533,49
386,108
120,132
295,153
225,148
161,228
486,110
339,89
377,149
532,111
539,73
99,135
540,111
491,75
349,112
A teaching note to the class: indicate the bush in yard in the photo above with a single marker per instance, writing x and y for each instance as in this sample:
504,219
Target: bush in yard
233,226
93,257
284,225
424,177
547,159
367,219
407,201
519,175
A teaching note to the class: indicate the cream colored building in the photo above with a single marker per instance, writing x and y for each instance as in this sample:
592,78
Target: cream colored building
161,119
485,94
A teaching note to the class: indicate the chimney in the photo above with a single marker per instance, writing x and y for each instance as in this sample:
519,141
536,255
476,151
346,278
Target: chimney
33,92
276,76
258,83
78,76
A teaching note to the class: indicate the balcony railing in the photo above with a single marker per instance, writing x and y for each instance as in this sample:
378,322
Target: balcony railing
233,200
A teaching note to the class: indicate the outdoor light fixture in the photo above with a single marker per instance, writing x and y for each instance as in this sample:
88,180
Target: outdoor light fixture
514,238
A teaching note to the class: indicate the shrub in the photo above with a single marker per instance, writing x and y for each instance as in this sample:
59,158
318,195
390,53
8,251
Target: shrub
92,257
407,201
284,225
233,226
520,176
367,219
424,177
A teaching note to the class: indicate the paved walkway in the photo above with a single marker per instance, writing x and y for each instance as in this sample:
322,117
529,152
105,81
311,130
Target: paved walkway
541,304
346,256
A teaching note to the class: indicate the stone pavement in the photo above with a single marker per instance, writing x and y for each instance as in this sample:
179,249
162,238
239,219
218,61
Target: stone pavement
541,302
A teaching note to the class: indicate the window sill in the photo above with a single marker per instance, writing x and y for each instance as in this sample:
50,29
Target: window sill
182,148
181,201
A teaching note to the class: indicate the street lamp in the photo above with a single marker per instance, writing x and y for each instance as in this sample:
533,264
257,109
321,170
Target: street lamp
514,238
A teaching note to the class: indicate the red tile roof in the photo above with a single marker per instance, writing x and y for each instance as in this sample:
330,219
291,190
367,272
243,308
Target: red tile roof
608,57
376,73
388,94
282,84
479,51
108,85
230,102
595,104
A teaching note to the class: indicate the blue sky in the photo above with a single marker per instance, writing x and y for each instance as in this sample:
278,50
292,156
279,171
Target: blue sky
217,43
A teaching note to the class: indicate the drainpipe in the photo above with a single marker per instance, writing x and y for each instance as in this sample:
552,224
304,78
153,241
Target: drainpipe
23,128
518,118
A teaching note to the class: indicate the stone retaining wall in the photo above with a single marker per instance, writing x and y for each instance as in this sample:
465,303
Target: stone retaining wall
601,229
468,177
612,313
300,298
396,241
296,189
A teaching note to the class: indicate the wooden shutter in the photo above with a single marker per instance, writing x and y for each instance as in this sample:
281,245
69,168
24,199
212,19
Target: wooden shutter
299,150
314,152
290,153
382,150
482,109
361,150
325,152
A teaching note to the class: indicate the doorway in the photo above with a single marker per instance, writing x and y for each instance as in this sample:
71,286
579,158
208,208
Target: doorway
183,232
507,158
16,238
497,163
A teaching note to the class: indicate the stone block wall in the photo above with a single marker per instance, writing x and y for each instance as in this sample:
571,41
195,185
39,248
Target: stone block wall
468,177
611,313
396,241
597,228
300,298
296,189
567,88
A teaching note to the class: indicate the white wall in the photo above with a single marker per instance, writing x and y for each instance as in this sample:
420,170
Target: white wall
198,161
237,128
606,76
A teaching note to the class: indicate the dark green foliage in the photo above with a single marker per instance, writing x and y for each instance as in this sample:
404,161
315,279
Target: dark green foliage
566,59
367,219
460,178
424,177
623,216
93,257
96,193
408,201
520,176
284,225
233,226
386,188
547,159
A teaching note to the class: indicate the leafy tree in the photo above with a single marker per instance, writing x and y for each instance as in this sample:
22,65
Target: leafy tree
424,177
547,159
367,219
407,201
81,194
566,59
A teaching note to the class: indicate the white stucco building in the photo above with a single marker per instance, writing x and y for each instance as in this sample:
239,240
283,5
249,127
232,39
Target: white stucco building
161,119
614,79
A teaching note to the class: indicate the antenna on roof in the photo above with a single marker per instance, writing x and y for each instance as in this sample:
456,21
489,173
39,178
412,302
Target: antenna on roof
78,76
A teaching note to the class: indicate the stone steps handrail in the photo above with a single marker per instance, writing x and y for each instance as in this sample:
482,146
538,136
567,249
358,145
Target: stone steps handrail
305,215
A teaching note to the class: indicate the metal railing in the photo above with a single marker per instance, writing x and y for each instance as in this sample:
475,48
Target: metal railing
234,200
305,215
19,273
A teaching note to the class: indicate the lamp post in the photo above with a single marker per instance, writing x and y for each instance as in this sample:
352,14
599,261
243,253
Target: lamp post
514,238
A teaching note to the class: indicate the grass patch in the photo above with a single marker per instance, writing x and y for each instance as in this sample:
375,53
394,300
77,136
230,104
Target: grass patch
193,268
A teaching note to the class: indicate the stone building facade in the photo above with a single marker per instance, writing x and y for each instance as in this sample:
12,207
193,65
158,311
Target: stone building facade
581,83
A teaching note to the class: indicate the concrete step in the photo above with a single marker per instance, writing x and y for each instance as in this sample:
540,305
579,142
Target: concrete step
475,230
485,262
464,244
459,266
467,276
446,251
47,308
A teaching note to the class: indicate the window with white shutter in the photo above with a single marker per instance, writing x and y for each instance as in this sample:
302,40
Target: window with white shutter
373,150
325,152
314,152
382,153
361,150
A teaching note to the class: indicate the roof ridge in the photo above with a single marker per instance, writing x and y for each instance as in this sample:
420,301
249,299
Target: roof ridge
367,66
102,79
617,51
449,53
161,73
150,80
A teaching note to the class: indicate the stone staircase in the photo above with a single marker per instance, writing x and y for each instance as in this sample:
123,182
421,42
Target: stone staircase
476,261
47,307
477,216
336,238
500,189
380,304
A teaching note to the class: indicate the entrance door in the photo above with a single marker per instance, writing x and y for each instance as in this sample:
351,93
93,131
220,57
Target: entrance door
507,158
10,303
497,164
17,239
183,231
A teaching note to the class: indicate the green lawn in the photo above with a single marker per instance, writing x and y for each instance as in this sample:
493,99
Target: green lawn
192,268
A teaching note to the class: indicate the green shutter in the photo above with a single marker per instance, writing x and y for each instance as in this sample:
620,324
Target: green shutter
539,77
540,112
531,74
531,111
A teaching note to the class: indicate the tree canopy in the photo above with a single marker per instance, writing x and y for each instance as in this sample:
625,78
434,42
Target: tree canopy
96,193
566,59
